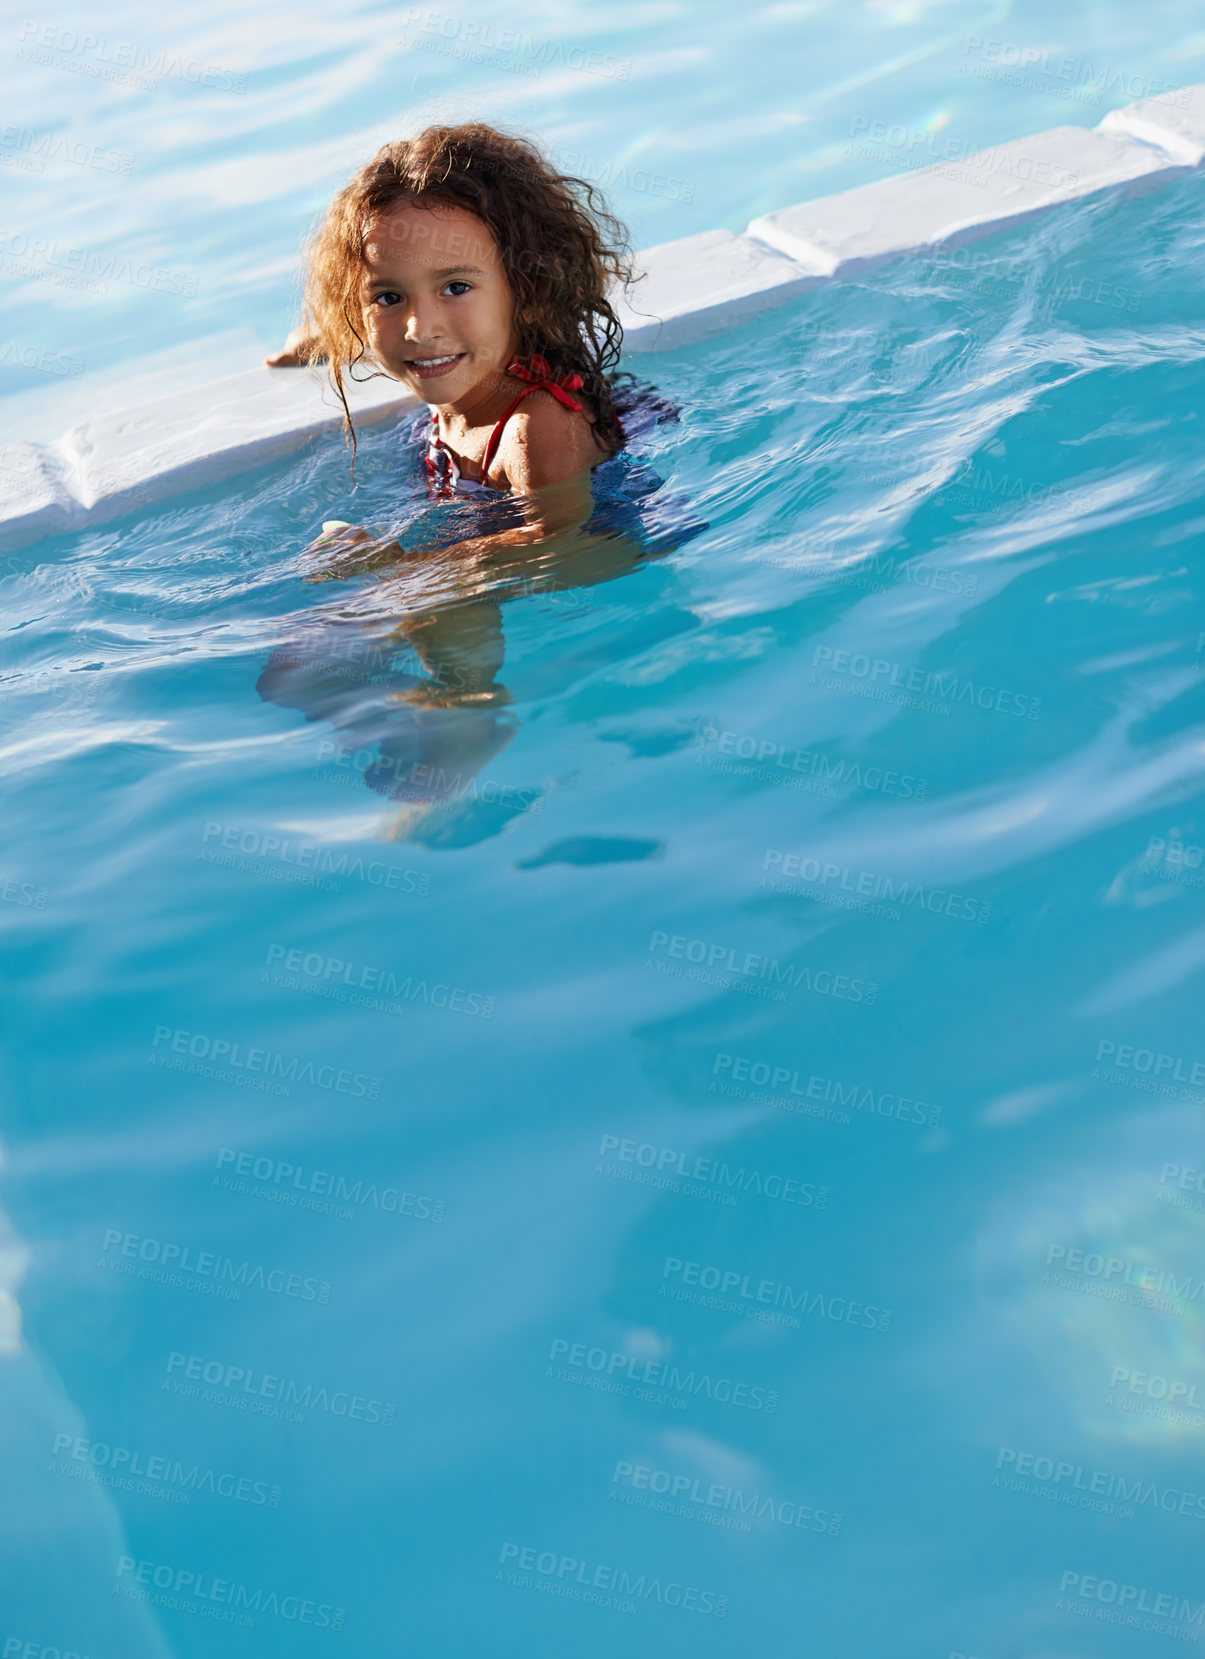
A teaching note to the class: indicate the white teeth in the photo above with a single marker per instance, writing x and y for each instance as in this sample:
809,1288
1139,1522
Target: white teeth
433,362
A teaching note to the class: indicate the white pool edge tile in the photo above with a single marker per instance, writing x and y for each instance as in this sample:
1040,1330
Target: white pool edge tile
983,193
700,286
104,469
1175,121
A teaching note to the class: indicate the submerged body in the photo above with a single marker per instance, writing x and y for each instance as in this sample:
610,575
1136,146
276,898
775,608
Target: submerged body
414,684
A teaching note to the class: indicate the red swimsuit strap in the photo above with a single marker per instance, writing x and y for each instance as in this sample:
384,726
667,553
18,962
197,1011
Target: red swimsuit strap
540,378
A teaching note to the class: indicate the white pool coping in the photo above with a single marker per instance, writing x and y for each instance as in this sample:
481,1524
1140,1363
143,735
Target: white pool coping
688,291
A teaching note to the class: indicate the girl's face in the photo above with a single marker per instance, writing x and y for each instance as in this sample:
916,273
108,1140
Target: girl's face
437,306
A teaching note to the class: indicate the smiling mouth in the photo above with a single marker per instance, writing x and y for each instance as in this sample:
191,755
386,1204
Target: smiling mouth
428,366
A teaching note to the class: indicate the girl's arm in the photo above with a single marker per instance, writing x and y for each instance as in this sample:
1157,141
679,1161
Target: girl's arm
544,444
554,517
549,510
547,456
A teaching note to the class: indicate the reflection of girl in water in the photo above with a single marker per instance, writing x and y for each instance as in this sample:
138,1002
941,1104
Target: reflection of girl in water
436,729
416,678
423,738
477,275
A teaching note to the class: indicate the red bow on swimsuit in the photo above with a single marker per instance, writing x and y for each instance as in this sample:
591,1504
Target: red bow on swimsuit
541,380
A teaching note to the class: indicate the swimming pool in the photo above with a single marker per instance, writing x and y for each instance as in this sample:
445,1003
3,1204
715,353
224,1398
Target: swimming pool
698,1146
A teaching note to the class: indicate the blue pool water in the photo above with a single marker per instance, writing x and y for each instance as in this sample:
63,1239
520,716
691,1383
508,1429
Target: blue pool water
651,1096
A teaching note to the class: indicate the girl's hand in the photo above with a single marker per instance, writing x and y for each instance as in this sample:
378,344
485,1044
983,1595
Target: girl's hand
347,550
337,530
301,347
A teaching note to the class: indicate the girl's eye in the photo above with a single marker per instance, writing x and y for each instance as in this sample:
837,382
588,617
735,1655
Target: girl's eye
389,297
459,282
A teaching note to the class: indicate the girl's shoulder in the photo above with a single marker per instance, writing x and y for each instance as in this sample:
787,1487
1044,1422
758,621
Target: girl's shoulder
638,403
543,424
545,440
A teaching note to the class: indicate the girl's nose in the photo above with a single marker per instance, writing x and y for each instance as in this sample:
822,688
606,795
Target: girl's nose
424,324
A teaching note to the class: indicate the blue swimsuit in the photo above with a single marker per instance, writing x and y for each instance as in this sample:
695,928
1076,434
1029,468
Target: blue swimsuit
630,499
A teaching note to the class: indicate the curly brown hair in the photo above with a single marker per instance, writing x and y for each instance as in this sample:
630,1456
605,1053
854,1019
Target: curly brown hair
559,245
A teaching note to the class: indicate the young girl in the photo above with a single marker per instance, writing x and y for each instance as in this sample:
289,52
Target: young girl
476,274
473,272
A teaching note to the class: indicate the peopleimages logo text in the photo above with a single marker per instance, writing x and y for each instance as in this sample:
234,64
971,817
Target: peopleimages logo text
617,1364
208,1264
323,1182
312,855
1103,1483
570,1569
1116,1268
713,1171
950,688
127,54
126,1462
729,959
261,1385
696,1489
810,762
771,1293
878,1102
1157,1388
262,1062
1133,1596
89,263
333,974
15,1648
870,884
224,1592
1171,1067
